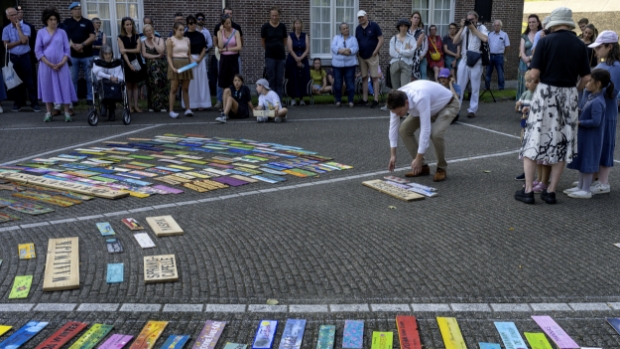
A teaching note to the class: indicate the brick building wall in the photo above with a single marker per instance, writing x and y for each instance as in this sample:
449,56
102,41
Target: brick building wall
251,14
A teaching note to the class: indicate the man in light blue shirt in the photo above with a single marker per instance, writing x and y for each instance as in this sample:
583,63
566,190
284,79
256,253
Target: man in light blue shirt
16,37
498,43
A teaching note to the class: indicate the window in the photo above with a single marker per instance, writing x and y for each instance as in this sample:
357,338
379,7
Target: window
111,12
437,12
325,19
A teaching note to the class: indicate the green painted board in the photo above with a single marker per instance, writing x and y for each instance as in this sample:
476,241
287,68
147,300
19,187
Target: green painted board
93,336
143,157
21,287
537,340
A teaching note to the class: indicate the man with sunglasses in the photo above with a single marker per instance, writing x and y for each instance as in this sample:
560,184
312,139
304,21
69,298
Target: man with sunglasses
200,27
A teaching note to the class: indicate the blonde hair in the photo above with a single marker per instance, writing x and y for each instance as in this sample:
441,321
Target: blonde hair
148,26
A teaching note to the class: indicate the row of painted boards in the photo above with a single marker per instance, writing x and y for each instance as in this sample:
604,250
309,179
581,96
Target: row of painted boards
292,336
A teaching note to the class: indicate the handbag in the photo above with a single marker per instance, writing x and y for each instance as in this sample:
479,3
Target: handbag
486,54
471,56
11,80
136,64
436,56
109,91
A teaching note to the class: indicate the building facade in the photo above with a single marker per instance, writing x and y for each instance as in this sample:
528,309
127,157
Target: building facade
321,19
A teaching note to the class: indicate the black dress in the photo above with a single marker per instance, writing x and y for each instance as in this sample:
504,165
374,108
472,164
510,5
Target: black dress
130,75
297,77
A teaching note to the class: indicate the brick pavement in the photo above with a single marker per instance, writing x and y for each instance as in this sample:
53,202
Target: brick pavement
335,242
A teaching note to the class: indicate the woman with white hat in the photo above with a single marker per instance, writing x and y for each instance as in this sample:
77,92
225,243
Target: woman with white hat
551,132
607,51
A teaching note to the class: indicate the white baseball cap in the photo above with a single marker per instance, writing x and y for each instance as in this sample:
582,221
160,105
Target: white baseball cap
361,13
606,37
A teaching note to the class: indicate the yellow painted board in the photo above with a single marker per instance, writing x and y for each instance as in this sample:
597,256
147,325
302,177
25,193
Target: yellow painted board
4,329
391,190
149,335
451,333
62,266
26,251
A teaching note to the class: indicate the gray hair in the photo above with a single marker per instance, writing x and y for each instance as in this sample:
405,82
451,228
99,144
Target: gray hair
105,49
473,13
500,22
343,23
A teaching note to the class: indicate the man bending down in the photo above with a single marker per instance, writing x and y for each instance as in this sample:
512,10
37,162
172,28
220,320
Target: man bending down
431,108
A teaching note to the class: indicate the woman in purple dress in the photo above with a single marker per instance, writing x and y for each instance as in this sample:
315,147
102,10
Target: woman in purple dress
52,50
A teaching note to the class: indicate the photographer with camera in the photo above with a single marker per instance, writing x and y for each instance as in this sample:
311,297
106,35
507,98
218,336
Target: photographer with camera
473,35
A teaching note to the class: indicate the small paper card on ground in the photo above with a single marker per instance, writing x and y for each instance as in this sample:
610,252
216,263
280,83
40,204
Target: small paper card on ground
26,251
175,342
116,341
382,340
210,334
144,240
187,67
132,224
537,340
116,273
510,335
62,266
149,335
408,332
114,245
391,190
490,346
164,226
451,333
230,345
265,334
162,268
561,339
4,329
353,334
327,336
105,229
63,335
293,334
23,335
21,287
93,336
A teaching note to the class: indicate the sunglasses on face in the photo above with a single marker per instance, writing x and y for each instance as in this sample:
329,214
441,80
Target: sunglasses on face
191,23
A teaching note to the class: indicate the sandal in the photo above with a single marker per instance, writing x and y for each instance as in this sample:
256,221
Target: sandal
138,110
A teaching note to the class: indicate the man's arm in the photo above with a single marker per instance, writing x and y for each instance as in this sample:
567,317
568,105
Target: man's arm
23,32
458,38
483,37
90,40
376,51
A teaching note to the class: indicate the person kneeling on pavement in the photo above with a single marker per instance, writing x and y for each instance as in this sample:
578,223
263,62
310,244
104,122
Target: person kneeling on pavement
108,71
269,100
428,106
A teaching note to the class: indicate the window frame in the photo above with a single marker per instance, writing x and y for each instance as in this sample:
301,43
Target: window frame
326,57
115,29
431,10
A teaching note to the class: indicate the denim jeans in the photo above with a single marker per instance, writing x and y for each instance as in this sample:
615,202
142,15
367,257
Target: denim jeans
274,69
423,68
497,61
85,65
348,73
23,68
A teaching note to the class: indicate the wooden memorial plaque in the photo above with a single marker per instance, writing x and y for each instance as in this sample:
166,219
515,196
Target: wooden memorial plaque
451,333
408,332
93,336
64,185
26,251
149,335
63,335
162,268
23,335
267,113
382,340
391,190
62,268
164,226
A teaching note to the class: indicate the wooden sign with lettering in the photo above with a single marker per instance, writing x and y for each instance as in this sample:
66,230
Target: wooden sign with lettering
64,185
382,340
149,335
164,226
93,336
63,335
267,113
162,268
408,332
21,287
391,190
62,268
208,337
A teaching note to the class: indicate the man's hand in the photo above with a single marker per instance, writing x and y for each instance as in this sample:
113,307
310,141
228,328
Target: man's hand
416,166
392,164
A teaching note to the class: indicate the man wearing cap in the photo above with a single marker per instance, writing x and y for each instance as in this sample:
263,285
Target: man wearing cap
498,44
472,34
16,37
81,33
370,39
431,108
273,39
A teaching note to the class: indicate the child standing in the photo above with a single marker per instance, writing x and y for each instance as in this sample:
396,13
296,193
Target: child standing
269,100
590,144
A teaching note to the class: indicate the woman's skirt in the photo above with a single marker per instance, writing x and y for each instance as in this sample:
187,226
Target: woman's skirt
551,131
199,94
229,66
180,63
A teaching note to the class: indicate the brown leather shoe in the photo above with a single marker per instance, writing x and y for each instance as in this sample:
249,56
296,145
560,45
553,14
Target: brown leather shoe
425,172
440,175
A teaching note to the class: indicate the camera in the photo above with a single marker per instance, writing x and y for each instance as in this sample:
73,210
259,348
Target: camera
467,22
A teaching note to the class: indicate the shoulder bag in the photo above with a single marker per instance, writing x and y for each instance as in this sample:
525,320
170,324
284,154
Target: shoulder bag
435,56
11,80
471,56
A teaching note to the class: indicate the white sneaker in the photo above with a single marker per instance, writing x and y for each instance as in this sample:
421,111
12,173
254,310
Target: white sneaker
571,190
600,188
174,115
384,108
189,112
293,103
595,183
576,183
1,110
262,119
221,119
163,110
302,103
277,119
581,194
151,111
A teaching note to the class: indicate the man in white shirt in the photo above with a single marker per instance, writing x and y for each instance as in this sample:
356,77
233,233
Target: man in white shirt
431,108
498,44
472,35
